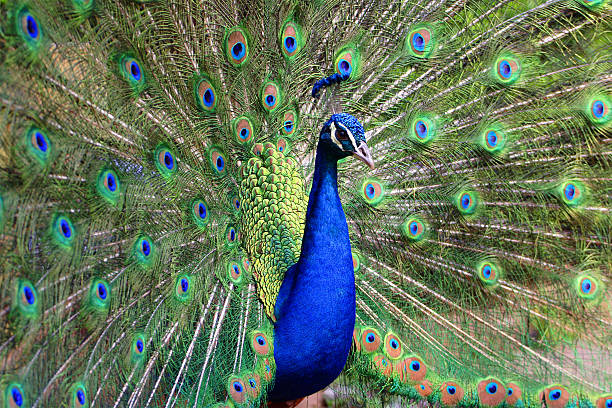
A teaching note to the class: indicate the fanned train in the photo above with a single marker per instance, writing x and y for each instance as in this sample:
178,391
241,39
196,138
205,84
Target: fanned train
216,203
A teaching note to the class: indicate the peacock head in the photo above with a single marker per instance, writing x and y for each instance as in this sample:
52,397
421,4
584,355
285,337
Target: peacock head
344,136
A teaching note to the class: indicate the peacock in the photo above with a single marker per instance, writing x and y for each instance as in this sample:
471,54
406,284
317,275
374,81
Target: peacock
229,203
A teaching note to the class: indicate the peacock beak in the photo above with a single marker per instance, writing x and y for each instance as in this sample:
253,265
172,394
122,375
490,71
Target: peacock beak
363,154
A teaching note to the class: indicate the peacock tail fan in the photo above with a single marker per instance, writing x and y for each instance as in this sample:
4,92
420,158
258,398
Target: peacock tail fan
154,164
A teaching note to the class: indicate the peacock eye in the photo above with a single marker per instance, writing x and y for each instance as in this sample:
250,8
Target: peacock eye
341,134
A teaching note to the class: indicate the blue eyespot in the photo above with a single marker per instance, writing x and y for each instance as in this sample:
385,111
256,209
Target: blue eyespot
260,340
554,395
422,387
370,191
139,345
135,71
41,143
184,284
505,70
370,338
270,100
237,204
418,42
609,403
486,271
209,98
31,27
146,247
451,390
201,210
465,201
288,126
415,366
232,234
344,67
237,386
414,227
65,228
28,293
394,344
102,291
236,269
598,109
570,191
80,397
510,391
220,163
238,51
492,139
252,383
421,129
168,160
244,133
586,285
16,396
290,44
492,388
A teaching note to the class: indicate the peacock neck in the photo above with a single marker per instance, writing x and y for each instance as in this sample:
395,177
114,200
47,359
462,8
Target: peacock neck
315,307
325,226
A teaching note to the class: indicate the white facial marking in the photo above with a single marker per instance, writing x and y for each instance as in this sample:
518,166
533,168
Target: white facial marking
348,132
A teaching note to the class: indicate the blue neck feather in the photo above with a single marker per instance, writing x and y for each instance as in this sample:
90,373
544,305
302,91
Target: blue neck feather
315,308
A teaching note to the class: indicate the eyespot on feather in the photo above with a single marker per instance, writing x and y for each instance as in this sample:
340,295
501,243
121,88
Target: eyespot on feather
604,401
199,212
488,273
451,393
138,349
165,161
234,272
108,185
383,365
243,130
411,369
182,288
372,191
271,96
414,229
206,95
424,388
237,389
572,193
217,161
231,236
99,295
131,70
29,28
555,396
38,145
507,69
63,231
236,46
290,40
14,396
79,397
289,123
252,384
420,41
597,109
370,339
26,299
493,139
513,394
467,202
393,346
347,62
260,342
491,392
143,250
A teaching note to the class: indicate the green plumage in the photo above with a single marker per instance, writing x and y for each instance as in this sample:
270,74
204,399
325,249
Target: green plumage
154,180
